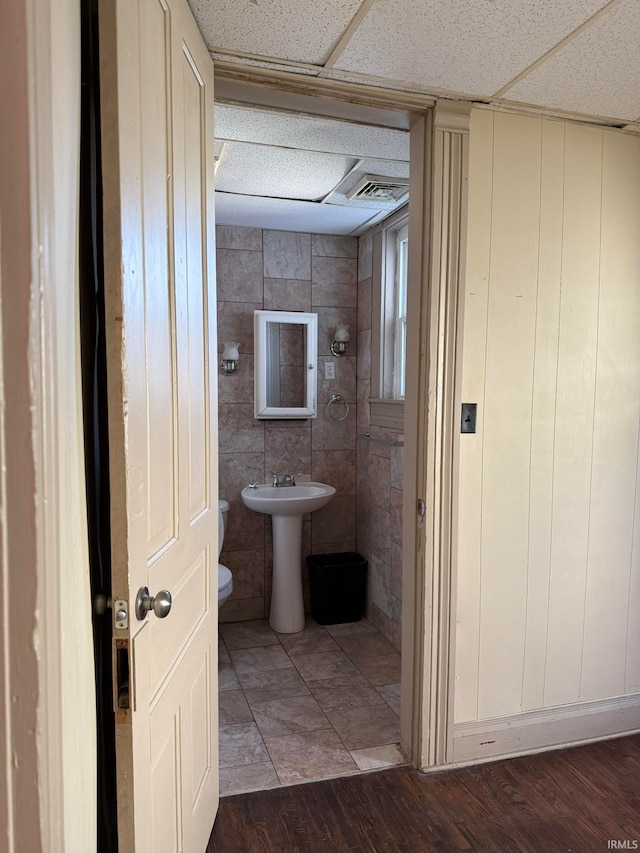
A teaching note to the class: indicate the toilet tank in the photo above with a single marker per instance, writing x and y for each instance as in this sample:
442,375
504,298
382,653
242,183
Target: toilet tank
223,510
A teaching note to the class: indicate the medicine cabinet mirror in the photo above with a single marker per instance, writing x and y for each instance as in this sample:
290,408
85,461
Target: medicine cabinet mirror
286,350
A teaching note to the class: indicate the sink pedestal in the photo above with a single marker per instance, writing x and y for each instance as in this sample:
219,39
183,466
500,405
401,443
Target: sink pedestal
286,506
287,605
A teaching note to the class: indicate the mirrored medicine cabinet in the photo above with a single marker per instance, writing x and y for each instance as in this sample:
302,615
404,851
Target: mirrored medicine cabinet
285,360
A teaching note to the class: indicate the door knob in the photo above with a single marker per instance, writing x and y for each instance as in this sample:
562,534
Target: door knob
160,603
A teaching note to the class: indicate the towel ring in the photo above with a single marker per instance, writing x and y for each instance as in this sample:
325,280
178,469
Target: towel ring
336,398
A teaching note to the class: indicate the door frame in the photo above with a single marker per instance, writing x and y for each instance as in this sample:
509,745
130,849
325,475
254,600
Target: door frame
424,687
439,184
49,726
437,251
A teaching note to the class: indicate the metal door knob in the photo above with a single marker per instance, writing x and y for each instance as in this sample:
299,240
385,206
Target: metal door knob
160,603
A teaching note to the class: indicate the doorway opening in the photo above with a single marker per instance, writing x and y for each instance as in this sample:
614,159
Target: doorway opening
325,702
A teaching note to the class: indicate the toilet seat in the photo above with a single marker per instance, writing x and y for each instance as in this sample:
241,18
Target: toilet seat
225,582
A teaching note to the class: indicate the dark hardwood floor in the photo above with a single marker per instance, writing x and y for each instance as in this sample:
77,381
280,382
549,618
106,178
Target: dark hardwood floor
577,800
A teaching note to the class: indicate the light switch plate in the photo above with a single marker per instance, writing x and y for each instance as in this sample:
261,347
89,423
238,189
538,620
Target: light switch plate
329,370
468,419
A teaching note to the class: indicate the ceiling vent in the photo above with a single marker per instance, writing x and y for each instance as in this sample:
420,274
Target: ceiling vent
379,188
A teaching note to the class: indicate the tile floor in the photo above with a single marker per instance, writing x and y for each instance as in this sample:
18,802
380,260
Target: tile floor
308,706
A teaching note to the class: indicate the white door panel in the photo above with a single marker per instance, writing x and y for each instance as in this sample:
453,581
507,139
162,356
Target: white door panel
157,93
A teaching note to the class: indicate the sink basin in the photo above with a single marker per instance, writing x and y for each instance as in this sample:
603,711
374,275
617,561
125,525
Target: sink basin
287,500
287,505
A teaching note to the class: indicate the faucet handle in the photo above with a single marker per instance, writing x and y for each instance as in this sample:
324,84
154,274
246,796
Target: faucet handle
293,477
275,477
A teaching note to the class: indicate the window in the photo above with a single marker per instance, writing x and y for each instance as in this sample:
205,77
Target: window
400,313
389,326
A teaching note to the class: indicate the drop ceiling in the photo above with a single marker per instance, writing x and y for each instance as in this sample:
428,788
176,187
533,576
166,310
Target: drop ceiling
574,58
293,172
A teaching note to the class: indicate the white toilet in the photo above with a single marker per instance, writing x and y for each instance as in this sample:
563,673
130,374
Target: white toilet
225,578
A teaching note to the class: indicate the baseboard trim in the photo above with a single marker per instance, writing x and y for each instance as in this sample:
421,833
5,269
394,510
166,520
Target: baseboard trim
567,725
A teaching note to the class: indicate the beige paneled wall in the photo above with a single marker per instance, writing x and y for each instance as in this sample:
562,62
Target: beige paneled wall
548,574
380,478
279,270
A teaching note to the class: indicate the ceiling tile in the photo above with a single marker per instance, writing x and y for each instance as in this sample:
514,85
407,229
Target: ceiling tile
283,215
597,73
284,29
311,134
280,172
472,46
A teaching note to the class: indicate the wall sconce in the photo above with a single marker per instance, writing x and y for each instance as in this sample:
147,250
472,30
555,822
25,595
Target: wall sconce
341,338
230,358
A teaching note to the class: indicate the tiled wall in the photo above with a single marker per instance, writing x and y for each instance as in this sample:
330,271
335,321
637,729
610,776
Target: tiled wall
279,270
379,480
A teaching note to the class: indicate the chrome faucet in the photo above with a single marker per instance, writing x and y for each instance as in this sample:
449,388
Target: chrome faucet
284,479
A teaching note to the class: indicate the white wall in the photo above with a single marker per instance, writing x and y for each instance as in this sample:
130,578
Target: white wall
548,575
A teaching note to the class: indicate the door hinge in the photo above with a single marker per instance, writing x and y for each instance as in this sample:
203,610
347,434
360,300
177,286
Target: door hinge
420,507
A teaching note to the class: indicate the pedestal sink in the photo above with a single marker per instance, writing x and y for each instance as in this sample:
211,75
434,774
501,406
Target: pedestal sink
287,505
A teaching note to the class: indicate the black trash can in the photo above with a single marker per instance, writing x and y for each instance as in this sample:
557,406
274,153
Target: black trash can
338,585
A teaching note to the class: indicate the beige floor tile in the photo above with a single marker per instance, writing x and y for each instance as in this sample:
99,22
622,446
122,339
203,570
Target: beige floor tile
227,678
248,635
369,645
308,643
272,684
261,659
321,703
288,716
346,628
353,680
248,777
334,696
223,654
377,757
241,744
310,623
379,671
313,755
363,727
323,665
391,695
233,708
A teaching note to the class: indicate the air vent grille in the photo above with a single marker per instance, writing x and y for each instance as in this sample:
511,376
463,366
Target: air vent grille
380,189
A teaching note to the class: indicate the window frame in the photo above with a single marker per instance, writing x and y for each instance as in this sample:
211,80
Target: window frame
386,410
401,258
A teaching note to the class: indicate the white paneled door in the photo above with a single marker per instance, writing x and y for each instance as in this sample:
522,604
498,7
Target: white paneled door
157,138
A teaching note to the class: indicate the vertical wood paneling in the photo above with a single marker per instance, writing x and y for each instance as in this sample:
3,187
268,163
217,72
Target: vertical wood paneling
158,226
507,412
470,454
632,657
543,408
615,438
549,518
197,314
574,412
